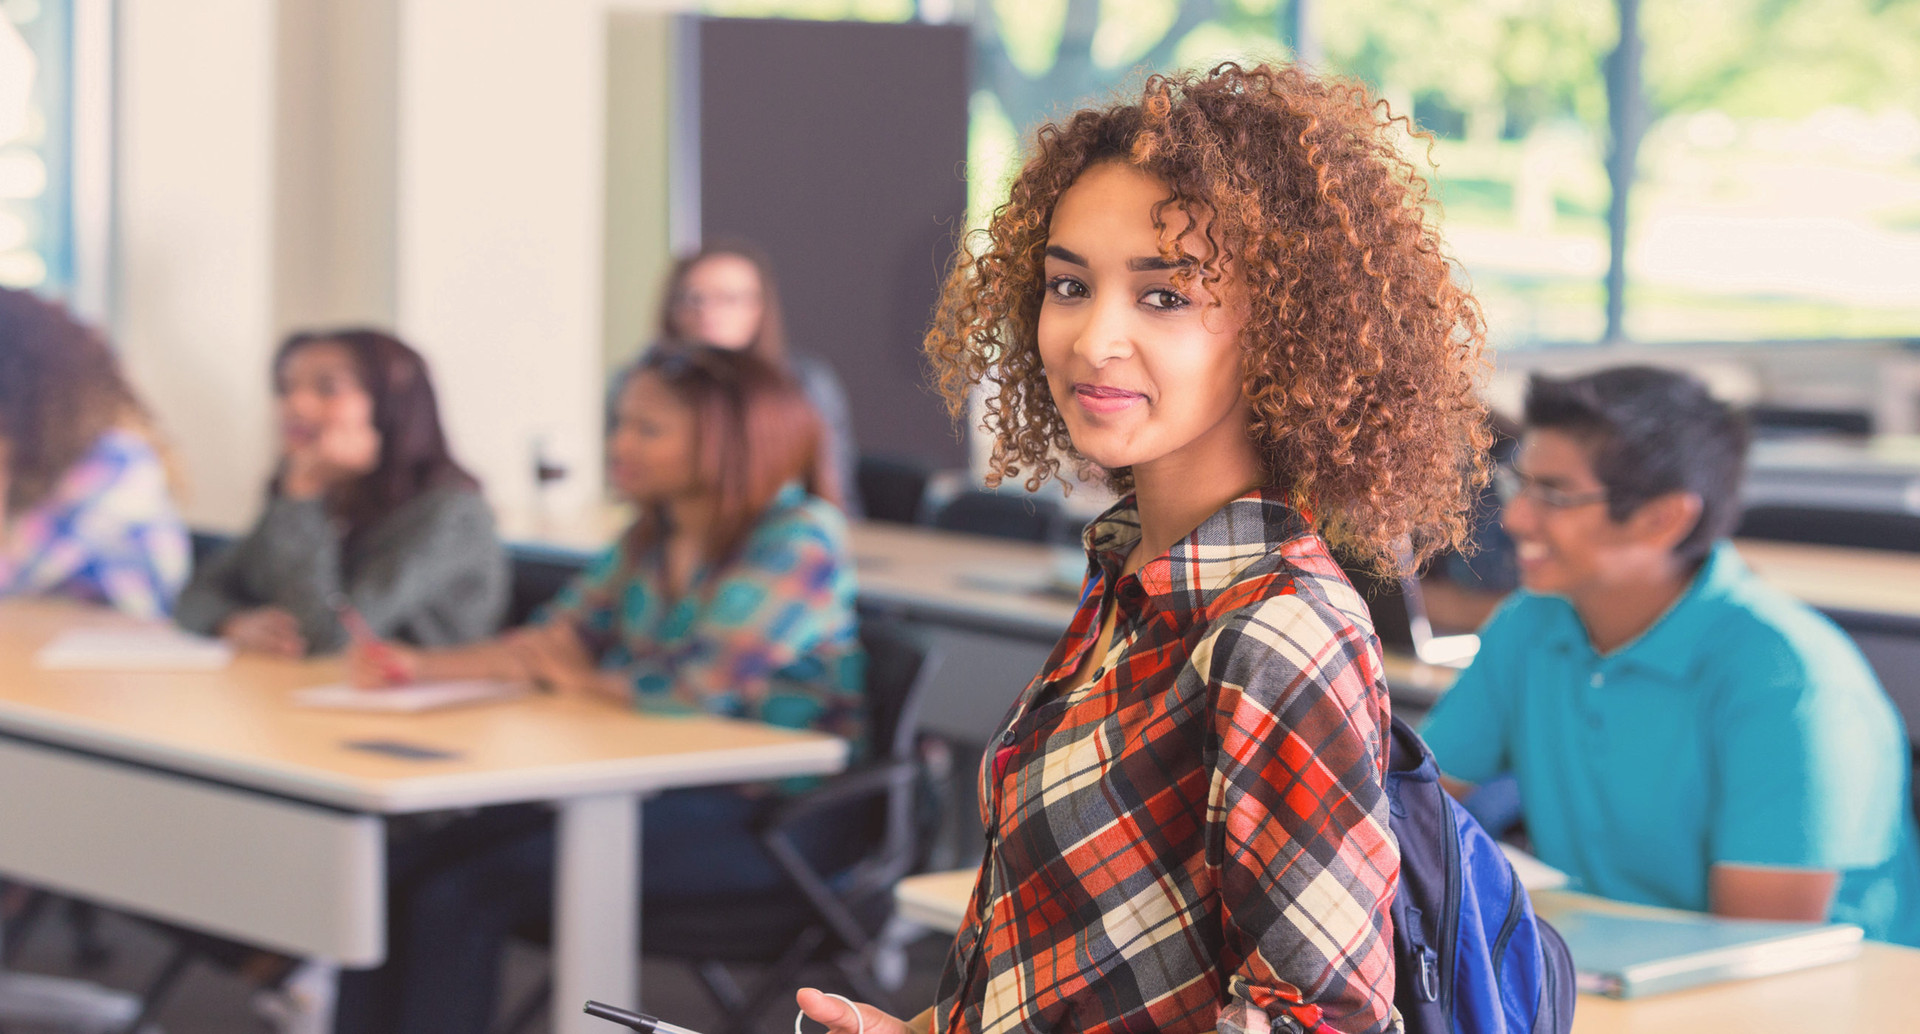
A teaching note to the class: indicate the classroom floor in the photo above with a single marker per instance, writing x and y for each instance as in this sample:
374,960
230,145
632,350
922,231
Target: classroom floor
211,1000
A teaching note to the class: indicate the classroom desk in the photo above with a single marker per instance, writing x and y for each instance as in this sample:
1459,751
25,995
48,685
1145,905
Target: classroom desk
1873,992
209,799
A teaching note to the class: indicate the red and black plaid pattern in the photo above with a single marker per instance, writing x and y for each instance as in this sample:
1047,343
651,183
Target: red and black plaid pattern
1195,839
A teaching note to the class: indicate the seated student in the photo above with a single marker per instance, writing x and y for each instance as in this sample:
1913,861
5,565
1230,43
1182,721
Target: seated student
84,508
367,504
724,295
1683,734
732,593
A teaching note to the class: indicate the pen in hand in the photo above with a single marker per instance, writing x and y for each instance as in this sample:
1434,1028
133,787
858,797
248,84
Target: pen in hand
363,637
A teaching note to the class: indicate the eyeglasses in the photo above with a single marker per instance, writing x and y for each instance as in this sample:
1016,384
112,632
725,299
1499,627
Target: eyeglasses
715,299
1512,484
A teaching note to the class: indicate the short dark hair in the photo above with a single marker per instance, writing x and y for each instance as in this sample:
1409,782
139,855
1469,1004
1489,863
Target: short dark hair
1649,432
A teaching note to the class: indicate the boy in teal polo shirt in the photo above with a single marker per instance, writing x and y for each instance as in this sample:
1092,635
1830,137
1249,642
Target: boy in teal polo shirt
1682,733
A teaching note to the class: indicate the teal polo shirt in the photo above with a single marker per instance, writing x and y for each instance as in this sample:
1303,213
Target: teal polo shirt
1743,728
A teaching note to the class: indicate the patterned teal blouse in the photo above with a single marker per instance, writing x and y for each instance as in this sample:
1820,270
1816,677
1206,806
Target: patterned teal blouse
769,636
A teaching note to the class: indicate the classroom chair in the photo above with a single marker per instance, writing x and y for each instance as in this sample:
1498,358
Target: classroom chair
892,488
833,918
1400,616
537,576
1001,515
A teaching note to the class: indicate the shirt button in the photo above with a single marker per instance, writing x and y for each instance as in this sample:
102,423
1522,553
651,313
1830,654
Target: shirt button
1006,738
1597,680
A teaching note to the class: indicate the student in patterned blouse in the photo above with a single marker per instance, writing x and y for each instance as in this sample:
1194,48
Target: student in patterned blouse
1230,297
85,511
732,593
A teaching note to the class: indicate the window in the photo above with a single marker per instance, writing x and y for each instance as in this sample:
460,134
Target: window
1774,195
35,210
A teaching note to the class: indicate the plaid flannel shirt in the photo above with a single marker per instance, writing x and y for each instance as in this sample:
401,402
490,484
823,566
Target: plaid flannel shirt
1195,839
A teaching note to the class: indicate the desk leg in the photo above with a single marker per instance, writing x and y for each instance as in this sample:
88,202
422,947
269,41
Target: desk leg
596,910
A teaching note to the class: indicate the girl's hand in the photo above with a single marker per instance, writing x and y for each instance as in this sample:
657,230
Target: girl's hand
841,1020
382,664
553,656
267,630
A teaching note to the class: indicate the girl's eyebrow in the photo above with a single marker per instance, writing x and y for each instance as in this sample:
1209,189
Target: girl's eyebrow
1146,264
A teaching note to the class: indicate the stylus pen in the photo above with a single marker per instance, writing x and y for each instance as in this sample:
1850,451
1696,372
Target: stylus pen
643,1024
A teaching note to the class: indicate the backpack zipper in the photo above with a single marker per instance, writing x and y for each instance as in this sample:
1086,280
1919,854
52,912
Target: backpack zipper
1507,928
1450,916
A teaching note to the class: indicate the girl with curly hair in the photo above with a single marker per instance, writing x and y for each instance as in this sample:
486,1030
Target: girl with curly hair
85,511
1229,297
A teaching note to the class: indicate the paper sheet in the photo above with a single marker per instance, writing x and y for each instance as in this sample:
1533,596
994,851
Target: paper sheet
420,696
132,649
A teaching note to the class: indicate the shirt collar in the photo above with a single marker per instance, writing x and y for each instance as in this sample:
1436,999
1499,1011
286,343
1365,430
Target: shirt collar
1211,558
1671,645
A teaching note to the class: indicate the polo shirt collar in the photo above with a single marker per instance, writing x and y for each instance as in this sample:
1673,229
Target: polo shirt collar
1211,558
1672,645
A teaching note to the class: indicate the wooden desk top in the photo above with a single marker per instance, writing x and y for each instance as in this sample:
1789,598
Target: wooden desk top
240,726
1871,993
1854,581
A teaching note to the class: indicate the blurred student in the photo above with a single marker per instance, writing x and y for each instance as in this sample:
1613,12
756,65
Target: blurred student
1683,734
367,504
732,594
1461,588
724,295
85,512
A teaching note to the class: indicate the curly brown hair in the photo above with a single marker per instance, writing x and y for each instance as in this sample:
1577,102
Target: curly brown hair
60,389
1362,350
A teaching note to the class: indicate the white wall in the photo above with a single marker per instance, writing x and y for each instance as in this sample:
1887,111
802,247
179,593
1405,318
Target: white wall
196,219
500,205
439,166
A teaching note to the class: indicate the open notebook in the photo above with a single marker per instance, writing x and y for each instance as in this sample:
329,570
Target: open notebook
1625,955
150,648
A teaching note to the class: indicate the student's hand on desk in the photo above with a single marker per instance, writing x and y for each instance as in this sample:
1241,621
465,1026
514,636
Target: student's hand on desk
267,630
553,657
841,1020
382,664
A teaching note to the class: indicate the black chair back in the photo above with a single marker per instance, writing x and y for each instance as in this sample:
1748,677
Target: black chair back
892,488
538,576
899,669
978,512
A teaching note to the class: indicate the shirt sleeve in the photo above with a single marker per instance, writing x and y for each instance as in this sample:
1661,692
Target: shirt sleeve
1809,759
108,524
1308,865
591,603
762,614
1470,729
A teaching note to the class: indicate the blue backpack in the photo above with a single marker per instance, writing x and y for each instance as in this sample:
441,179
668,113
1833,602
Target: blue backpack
1470,957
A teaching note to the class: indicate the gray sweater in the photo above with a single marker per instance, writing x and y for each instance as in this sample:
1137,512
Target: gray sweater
431,573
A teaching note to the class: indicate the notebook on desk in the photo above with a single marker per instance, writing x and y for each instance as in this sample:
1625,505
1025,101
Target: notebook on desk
1627,956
